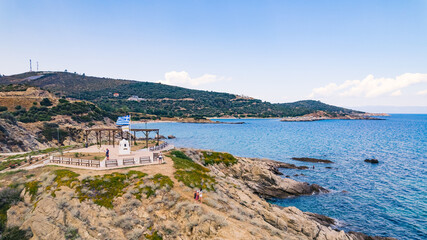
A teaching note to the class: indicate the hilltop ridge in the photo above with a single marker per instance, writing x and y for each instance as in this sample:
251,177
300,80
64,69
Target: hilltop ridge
160,100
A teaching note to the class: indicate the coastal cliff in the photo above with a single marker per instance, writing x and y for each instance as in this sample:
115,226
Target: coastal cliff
156,202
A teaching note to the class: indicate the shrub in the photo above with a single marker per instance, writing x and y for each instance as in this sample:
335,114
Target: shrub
2,108
191,173
32,188
15,233
8,197
153,236
218,157
66,177
124,222
71,233
46,102
103,189
162,180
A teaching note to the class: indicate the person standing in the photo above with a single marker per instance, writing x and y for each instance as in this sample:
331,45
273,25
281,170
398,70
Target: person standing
107,154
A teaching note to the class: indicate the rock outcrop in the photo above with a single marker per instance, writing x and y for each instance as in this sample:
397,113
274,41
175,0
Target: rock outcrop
313,160
261,177
372,160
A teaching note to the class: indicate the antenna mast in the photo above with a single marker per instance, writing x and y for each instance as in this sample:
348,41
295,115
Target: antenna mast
30,66
37,66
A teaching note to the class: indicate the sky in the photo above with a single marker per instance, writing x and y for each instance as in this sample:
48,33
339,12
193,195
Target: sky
349,53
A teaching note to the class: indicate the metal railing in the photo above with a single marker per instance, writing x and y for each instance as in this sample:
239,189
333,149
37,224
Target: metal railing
159,147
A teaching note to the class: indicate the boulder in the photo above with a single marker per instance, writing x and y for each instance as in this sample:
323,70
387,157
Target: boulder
171,137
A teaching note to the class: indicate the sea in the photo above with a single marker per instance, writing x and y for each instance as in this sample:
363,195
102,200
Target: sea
385,199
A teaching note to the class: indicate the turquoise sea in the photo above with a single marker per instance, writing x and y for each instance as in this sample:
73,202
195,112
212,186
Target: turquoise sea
387,199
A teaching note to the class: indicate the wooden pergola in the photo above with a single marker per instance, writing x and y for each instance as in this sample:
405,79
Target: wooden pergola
113,131
146,133
98,132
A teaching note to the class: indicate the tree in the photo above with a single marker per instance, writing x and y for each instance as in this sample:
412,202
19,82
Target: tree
46,102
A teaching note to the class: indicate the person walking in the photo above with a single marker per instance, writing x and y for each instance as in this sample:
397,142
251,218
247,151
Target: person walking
200,195
107,154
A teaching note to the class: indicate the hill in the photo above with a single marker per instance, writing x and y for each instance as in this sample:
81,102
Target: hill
160,100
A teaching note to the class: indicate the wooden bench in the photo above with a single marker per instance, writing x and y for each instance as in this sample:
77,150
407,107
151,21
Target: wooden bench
128,161
85,162
75,161
66,160
144,160
95,163
55,160
111,163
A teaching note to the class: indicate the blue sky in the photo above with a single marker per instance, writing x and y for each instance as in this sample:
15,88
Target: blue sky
348,53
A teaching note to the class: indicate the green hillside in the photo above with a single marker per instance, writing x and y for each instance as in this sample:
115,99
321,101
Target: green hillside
159,99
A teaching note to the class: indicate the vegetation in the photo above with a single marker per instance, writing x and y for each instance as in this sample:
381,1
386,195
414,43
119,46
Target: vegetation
10,164
190,173
32,188
162,180
8,197
218,157
46,102
153,236
66,177
103,189
79,111
15,233
159,181
13,87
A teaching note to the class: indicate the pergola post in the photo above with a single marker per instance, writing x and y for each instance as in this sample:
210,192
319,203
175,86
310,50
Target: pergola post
109,137
158,137
146,138
114,137
134,138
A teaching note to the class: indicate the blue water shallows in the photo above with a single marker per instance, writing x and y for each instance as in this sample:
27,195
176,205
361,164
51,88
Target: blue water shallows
386,199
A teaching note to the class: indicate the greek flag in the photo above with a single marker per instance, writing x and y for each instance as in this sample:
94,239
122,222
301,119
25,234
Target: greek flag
125,120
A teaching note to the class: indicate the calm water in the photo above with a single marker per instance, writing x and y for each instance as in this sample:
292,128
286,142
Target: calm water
388,199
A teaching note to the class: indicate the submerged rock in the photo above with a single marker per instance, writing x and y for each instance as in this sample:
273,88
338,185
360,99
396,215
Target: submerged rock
314,160
171,137
372,160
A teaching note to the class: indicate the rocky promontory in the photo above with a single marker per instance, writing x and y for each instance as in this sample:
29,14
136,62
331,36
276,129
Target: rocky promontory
156,202
321,115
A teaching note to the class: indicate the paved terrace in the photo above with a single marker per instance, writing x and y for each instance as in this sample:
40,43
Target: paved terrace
136,158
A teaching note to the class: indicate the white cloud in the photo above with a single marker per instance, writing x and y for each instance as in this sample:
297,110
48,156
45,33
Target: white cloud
183,79
422,92
370,86
396,93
